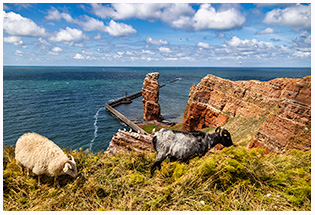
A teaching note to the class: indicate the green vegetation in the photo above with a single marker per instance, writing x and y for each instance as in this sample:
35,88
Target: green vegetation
232,179
148,127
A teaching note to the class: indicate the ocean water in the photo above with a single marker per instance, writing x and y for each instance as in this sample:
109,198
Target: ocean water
67,104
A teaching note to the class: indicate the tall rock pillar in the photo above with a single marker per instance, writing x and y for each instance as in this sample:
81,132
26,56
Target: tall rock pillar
150,95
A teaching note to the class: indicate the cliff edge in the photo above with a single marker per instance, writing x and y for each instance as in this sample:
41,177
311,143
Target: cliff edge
275,115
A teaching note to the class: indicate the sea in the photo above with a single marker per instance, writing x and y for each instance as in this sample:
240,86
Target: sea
67,104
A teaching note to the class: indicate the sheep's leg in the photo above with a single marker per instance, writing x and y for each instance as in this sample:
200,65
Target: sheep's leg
38,183
172,159
20,166
56,182
27,171
157,163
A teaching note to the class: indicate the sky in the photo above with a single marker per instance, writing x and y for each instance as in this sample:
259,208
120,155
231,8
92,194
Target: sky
157,34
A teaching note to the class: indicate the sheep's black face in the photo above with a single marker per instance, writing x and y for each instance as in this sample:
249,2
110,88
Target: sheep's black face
226,138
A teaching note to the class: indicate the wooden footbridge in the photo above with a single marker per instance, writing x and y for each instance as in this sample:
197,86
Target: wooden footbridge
127,100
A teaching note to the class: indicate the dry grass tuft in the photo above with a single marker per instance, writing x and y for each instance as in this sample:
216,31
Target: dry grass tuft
233,179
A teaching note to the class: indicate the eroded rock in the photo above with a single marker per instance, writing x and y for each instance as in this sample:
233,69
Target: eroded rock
124,141
279,110
150,95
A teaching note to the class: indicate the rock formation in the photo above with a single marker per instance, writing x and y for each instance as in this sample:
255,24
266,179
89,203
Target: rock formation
275,115
150,95
124,141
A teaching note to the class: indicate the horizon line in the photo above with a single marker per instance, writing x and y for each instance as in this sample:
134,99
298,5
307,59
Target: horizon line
130,66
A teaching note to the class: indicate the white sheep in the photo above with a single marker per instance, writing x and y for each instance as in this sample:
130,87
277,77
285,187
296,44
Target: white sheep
43,156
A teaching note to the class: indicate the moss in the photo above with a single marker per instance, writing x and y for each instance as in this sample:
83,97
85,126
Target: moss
207,168
179,171
136,178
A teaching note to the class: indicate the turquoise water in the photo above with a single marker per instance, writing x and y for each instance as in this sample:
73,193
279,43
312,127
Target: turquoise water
67,104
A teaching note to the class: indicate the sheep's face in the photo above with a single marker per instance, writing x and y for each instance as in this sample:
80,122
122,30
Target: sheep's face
70,168
226,138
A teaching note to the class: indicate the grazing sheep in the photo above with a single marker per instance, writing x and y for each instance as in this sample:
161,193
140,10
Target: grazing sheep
183,145
42,156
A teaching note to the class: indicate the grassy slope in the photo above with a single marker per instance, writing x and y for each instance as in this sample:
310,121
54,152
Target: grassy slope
233,179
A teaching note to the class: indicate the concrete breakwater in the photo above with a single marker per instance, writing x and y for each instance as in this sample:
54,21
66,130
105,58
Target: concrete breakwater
125,119
127,100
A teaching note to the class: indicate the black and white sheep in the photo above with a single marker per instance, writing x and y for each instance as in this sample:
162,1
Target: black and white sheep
184,145
43,156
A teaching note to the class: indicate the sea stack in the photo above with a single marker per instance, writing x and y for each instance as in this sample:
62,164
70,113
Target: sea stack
150,95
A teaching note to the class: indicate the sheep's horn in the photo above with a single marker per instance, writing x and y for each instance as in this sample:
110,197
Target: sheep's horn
72,159
221,132
218,129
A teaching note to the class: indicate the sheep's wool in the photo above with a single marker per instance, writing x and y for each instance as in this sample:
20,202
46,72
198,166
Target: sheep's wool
40,154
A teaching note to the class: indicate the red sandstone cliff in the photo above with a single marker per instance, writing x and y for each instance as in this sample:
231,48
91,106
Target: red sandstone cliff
275,115
150,95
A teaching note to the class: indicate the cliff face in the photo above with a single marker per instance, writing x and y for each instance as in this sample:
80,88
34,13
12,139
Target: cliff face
124,141
150,95
275,115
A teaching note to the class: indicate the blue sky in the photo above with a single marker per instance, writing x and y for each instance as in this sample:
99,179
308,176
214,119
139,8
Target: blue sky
157,34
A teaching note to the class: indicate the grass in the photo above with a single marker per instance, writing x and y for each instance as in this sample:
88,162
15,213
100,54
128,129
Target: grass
232,179
148,127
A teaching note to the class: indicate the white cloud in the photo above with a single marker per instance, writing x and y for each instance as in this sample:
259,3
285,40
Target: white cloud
15,24
302,44
92,24
296,17
178,15
303,39
53,53
98,36
68,34
102,11
119,29
14,40
18,52
78,57
181,15
301,54
220,35
128,10
171,59
208,18
165,50
147,52
235,41
54,14
254,44
266,31
204,45
57,49
156,42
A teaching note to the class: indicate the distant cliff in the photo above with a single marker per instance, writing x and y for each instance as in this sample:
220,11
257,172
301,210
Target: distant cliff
275,115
